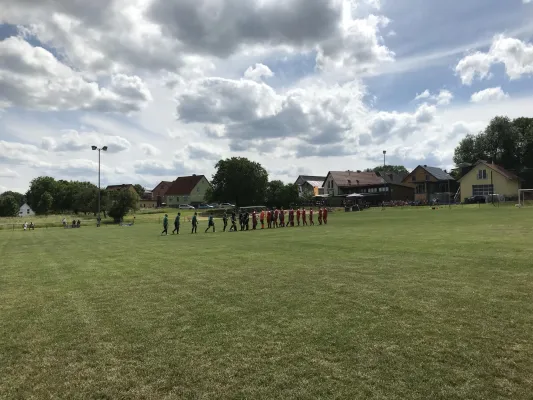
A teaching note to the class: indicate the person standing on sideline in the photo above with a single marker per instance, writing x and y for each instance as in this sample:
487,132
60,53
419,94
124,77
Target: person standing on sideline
233,227
262,219
325,215
282,217
276,216
298,213
311,222
177,224
304,217
269,219
210,223
225,220
254,220
165,225
247,220
320,216
194,223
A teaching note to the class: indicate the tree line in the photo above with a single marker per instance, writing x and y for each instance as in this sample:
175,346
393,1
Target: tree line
47,195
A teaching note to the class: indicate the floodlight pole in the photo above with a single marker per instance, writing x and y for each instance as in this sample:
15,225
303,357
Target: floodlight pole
384,154
104,148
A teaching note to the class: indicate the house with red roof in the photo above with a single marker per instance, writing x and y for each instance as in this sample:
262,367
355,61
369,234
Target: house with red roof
187,190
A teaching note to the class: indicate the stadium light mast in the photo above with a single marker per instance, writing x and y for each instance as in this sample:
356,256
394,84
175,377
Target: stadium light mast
384,154
104,148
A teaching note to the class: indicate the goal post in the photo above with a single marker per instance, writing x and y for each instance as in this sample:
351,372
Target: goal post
525,197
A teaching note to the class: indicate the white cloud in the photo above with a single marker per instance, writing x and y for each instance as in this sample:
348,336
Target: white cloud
258,72
17,153
72,141
32,77
149,149
443,98
8,173
490,94
514,54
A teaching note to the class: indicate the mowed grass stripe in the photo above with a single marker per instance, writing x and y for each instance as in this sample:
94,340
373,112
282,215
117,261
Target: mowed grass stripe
394,304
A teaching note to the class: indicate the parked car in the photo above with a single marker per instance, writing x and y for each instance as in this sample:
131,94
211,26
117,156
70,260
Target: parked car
227,205
476,199
205,206
186,207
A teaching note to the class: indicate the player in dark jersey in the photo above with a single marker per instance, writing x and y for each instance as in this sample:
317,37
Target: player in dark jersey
225,220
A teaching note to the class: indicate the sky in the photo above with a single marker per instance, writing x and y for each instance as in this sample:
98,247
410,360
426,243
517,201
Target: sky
300,86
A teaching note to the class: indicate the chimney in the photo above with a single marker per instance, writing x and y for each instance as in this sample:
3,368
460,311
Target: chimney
425,166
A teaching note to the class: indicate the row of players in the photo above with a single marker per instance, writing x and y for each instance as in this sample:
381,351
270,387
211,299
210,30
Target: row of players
274,219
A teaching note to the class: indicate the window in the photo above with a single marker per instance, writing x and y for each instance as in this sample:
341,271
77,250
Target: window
420,188
413,178
28,211
482,174
482,190
427,177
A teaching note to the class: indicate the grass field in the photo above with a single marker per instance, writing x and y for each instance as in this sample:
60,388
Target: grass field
395,304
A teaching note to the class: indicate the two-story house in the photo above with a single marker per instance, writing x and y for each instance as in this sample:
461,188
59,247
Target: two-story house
187,190
430,182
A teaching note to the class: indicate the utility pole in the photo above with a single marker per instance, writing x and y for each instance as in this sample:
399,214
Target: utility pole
104,148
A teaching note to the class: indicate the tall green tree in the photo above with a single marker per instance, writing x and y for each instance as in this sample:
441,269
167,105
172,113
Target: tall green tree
44,206
239,180
139,189
279,194
9,206
39,186
122,202
19,197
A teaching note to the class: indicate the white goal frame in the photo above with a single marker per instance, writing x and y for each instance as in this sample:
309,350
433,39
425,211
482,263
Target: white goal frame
521,196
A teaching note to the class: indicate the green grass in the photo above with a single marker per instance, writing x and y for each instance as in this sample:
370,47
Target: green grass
395,304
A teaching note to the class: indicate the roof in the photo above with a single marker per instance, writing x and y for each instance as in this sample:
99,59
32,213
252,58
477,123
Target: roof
502,171
394,178
184,185
119,187
161,184
312,180
316,183
438,173
353,179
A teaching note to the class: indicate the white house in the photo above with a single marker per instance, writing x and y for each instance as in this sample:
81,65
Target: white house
25,210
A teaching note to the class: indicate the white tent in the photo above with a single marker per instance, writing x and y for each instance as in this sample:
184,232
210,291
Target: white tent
354,195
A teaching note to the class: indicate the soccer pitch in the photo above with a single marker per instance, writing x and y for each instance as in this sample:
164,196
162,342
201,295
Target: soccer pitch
394,304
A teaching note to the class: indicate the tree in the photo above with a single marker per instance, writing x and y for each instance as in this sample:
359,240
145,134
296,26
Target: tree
122,202
139,189
239,180
38,187
395,169
44,206
19,197
9,206
274,193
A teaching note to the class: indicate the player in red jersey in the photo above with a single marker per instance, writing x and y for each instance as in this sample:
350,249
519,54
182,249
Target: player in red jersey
311,222
269,219
281,217
298,213
320,216
304,217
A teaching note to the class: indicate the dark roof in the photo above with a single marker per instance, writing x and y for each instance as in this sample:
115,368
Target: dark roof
119,187
168,183
438,173
183,185
354,179
312,178
393,178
